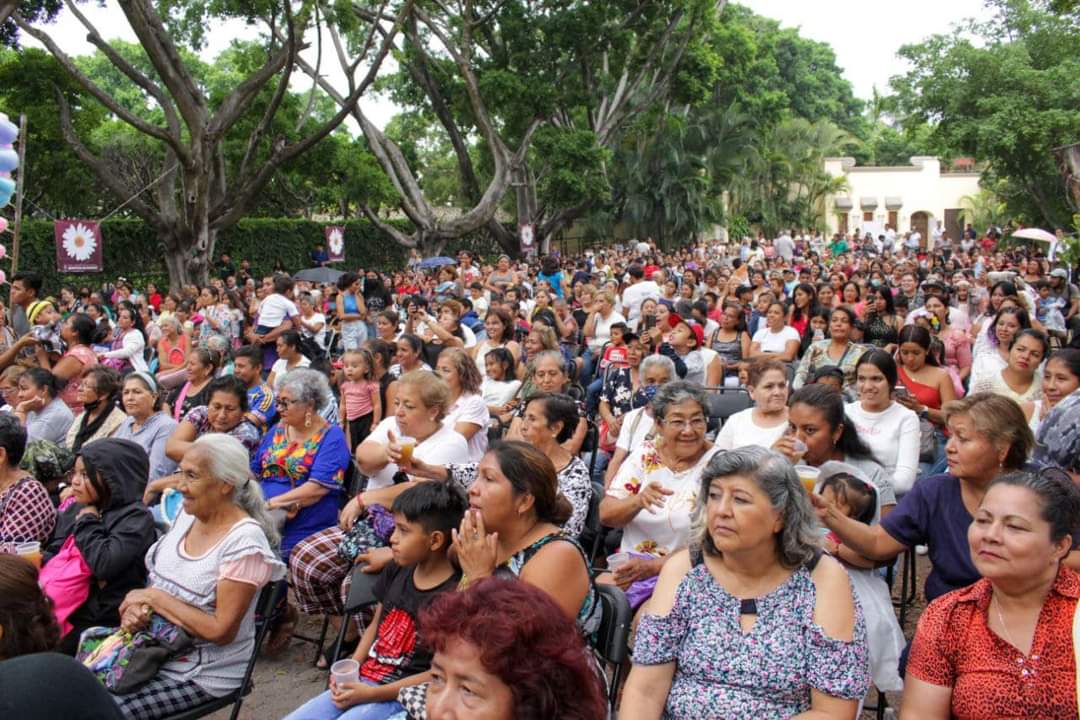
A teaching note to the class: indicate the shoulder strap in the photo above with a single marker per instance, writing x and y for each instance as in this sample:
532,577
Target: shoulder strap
813,562
696,556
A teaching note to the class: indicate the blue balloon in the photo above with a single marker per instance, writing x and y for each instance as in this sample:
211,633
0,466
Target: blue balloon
7,189
9,160
8,131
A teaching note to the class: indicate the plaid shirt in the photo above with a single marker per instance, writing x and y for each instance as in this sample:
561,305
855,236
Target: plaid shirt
26,514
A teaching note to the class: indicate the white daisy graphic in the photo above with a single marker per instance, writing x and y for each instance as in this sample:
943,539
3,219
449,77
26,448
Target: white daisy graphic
336,241
79,242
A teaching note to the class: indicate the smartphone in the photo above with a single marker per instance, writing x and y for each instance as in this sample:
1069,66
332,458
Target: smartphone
901,391
650,322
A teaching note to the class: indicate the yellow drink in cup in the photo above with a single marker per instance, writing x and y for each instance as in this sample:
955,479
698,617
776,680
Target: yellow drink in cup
808,476
30,551
407,444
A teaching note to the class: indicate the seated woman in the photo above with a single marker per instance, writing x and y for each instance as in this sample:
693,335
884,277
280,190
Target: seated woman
78,332
224,413
26,512
466,412
764,423
504,651
817,420
653,496
204,577
45,416
289,358
988,437
27,623
500,386
316,570
1060,378
993,356
1021,378
547,373
548,421
1001,647
203,364
301,465
147,425
111,527
758,573
839,350
99,392
928,387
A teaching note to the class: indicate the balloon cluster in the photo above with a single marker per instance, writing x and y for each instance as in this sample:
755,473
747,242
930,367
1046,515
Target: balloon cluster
9,162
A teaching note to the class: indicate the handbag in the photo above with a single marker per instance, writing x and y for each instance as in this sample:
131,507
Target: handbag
123,662
66,580
373,530
927,441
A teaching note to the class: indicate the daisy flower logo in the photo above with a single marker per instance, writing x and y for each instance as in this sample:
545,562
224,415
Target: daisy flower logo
336,241
79,242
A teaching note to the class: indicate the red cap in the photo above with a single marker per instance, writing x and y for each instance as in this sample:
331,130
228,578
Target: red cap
674,319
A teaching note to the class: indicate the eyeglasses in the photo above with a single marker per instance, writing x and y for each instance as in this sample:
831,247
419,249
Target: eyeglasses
679,424
283,403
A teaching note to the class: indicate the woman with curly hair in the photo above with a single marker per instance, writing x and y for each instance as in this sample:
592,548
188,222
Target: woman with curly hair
504,650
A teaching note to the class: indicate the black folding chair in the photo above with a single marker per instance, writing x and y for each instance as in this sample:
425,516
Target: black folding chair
361,595
723,402
908,584
265,606
612,640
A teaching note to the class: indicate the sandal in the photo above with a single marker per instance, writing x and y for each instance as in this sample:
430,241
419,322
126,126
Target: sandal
281,634
347,649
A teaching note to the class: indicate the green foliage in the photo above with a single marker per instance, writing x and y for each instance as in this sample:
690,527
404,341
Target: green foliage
132,250
1006,96
575,163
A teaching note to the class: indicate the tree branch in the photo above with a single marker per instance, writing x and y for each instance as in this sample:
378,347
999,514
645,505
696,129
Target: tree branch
398,236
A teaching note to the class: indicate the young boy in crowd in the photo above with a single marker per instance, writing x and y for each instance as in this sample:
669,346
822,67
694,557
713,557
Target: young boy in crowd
391,654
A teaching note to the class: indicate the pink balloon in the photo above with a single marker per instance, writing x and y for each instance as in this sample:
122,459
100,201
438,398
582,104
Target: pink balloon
3,277
3,225
3,252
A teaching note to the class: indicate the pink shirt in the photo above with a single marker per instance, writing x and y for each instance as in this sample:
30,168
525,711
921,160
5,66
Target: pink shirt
70,393
359,398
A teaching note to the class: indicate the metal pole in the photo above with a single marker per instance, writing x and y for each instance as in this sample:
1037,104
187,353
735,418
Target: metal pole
20,181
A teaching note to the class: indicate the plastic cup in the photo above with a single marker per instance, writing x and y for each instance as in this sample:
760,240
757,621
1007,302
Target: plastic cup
407,444
808,476
30,551
345,671
615,560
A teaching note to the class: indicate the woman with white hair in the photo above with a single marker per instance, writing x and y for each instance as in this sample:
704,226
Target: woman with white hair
301,466
205,574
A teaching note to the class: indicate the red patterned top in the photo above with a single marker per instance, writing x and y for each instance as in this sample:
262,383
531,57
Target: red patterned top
954,647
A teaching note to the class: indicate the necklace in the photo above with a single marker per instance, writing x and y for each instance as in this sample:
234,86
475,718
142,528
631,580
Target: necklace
1001,620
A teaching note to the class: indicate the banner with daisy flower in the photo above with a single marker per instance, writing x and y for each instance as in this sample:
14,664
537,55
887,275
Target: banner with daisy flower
78,246
335,242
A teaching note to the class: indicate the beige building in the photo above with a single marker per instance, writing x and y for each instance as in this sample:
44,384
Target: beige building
910,197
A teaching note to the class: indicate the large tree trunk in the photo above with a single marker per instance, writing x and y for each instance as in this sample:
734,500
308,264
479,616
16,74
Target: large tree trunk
187,256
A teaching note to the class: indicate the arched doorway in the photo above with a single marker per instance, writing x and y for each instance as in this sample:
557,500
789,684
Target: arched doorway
920,222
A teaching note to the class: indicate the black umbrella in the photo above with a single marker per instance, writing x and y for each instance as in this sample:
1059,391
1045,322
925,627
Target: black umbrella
319,275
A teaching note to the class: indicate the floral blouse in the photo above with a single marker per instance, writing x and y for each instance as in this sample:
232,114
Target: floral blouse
658,532
817,356
762,674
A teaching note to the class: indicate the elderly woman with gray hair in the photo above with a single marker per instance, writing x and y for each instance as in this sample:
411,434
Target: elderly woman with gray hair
751,620
205,574
654,493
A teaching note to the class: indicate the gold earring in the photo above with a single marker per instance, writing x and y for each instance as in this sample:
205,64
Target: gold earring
307,420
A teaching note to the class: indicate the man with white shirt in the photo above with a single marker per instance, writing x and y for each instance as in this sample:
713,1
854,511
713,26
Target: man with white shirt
785,246
636,293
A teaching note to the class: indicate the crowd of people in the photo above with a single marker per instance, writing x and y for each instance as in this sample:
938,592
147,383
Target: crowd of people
466,434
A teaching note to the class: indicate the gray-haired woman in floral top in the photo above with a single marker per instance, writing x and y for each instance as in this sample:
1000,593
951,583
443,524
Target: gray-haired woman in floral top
751,621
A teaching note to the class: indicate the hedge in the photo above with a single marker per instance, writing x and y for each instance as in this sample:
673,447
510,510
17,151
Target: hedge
132,251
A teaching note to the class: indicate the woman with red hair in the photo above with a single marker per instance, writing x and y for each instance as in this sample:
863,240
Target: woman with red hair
504,650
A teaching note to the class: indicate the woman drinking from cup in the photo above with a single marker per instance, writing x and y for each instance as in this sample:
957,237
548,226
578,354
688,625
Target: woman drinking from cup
1001,647
659,478
753,577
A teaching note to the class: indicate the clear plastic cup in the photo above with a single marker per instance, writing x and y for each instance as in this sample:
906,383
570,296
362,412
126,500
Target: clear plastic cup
30,551
808,476
407,444
345,671
616,560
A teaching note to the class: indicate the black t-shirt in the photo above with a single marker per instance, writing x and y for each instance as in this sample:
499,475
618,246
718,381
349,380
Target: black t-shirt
397,651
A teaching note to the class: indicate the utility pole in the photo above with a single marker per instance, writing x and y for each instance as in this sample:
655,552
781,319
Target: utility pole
19,182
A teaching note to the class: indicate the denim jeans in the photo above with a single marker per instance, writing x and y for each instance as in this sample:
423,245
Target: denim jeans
321,707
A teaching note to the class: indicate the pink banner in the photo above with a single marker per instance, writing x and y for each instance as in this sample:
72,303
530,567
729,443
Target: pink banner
78,246
335,242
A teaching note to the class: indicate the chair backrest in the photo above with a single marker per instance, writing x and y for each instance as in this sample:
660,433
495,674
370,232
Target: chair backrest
361,590
725,402
612,639
266,605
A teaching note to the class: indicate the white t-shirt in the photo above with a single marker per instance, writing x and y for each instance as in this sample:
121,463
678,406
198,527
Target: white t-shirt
442,447
775,342
636,426
740,430
280,369
893,436
275,309
471,409
603,329
316,319
499,392
634,295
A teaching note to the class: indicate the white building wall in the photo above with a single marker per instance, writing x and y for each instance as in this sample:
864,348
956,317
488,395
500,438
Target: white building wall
918,188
